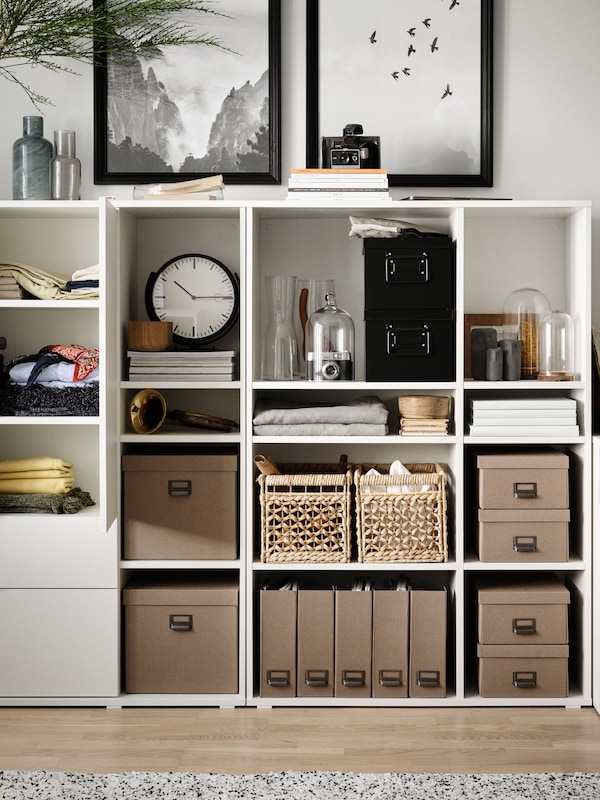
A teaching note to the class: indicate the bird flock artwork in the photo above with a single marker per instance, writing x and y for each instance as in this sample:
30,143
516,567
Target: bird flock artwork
430,45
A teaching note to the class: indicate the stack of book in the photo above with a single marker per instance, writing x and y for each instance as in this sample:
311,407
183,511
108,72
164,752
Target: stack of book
532,416
338,184
183,365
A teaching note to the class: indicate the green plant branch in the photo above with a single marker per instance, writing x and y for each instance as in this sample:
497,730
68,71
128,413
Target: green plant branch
39,33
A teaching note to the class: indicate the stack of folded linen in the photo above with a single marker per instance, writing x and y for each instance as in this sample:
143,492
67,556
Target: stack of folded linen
38,475
58,380
364,416
41,484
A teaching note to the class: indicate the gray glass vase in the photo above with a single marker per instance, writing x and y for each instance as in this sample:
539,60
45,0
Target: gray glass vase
65,168
31,158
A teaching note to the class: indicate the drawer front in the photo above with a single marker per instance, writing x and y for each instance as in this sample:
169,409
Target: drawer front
522,623
523,488
401,348
59,642
520,542
409,274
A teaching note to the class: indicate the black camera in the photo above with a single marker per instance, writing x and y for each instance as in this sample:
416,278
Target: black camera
334,366
352,150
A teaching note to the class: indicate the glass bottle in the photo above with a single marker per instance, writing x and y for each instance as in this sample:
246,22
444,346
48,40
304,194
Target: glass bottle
31,156
330,343
65,168
556,347
279,360
522,312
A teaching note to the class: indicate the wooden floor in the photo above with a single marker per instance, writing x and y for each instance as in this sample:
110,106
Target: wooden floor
246,740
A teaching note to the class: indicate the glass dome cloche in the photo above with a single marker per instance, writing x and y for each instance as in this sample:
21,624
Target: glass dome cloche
522,312
330,343
556,348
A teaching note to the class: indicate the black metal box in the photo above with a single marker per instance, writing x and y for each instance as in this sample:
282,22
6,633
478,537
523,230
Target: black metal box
410,273
410,345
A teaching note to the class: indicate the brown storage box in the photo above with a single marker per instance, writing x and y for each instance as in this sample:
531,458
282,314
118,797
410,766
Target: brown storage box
516,611
315,642
390,643
524,480
278,612
428,635
180,507
353,643
523,671
523,536
181,635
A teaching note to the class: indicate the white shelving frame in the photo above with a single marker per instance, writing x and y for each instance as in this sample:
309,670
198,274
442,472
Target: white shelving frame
500,246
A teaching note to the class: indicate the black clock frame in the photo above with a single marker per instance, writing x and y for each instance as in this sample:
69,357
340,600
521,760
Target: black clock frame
195,343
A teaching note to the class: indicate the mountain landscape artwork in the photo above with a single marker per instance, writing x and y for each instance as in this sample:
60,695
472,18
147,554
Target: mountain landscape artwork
195,110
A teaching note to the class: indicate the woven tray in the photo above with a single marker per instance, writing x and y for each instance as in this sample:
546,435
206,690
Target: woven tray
404,524
305,514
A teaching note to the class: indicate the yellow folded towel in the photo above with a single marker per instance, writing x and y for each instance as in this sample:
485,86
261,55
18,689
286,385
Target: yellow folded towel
35,463
38,475
37,486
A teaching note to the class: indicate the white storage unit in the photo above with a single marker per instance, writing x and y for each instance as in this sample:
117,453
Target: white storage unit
500,246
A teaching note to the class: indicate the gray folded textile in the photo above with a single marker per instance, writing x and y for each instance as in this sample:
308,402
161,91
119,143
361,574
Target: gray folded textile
367,409
69,503
322,429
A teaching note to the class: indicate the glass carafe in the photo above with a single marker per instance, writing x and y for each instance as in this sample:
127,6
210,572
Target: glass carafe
279,361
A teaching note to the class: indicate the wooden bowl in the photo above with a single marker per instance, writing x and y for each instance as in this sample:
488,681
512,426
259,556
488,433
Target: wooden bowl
150,336
423,406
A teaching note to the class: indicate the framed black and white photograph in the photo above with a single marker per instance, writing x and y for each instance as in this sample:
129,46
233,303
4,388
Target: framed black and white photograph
416,73
197,110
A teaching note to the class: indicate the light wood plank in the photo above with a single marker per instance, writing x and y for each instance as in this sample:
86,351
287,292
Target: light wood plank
246,740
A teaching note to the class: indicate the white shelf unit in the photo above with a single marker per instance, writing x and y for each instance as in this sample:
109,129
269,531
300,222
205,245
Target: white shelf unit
59,599
61,579
148,235
500,246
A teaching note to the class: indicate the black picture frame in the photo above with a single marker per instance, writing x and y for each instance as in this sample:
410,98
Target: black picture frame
351,64
111,169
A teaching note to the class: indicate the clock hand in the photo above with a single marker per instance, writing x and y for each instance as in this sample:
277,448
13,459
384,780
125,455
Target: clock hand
184,289
204,296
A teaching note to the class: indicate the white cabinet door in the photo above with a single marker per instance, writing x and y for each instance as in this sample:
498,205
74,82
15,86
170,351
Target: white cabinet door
59,642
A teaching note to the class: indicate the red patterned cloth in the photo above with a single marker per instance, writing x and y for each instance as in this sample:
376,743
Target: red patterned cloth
85,359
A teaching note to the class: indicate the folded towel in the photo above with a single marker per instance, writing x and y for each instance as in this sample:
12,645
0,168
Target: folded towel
34,463
322,429
37,485
368,409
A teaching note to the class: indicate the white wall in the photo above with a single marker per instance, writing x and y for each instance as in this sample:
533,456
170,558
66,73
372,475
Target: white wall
546,108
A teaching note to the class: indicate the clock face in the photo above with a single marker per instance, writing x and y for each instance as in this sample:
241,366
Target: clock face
198,294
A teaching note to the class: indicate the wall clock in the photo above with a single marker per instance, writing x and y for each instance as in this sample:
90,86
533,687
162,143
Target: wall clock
198,294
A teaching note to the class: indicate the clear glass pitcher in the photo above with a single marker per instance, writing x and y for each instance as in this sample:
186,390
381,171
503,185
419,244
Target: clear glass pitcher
279,361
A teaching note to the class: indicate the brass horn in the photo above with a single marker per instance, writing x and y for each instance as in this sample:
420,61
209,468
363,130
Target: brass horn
147,411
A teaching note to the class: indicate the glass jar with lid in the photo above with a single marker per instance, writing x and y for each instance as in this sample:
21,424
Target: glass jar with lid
556,348
522,312
330,343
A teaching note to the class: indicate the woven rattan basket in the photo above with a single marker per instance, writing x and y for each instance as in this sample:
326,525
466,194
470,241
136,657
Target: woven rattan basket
305,514
394,523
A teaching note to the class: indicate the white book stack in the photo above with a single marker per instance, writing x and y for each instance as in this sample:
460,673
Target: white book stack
548,416
338,184
183,365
